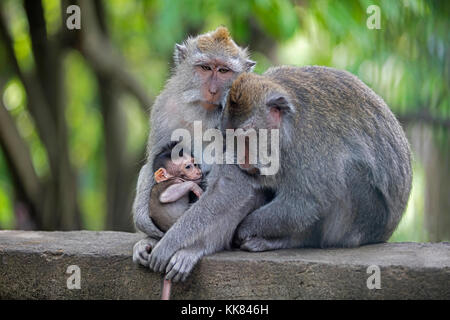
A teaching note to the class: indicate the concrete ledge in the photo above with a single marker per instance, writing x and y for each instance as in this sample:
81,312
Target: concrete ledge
33,266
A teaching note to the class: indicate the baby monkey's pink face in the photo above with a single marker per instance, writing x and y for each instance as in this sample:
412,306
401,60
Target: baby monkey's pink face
188,170
183,168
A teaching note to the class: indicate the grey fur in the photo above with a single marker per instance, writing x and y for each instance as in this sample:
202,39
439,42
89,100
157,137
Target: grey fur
177,107
344,180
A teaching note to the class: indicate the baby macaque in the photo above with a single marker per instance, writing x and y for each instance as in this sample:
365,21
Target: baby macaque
175,179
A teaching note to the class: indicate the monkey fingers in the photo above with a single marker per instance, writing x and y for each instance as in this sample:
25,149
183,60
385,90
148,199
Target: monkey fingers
197,190
142,249
159,258
181,265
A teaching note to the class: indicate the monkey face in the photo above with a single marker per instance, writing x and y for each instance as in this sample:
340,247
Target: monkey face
189,170
216,77
209,63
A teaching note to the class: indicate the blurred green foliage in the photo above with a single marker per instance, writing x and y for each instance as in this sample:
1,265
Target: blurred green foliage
406,62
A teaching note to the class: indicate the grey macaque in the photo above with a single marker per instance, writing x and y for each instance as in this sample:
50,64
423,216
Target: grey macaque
344,177
205,67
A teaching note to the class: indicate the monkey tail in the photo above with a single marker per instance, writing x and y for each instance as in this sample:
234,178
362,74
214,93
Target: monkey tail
167,286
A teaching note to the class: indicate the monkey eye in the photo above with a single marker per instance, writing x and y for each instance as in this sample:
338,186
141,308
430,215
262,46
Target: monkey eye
206,68
223,70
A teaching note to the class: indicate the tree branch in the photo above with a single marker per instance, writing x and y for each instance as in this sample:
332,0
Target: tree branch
45,56
104,59
121,172
35,100
19,157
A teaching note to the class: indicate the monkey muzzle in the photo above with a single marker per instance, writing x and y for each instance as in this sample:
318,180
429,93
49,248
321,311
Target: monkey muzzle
250,169
210,106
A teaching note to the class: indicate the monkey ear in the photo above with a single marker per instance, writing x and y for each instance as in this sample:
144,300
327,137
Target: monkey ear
280,102
179,53
278,106
249,65
160,175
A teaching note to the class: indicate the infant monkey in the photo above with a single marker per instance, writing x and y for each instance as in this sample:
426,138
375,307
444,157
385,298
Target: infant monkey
169,199
175,179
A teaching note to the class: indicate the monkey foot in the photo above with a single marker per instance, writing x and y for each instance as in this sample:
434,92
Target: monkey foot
142,250
256,244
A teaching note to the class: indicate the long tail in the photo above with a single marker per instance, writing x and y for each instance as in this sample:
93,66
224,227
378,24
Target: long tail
167,286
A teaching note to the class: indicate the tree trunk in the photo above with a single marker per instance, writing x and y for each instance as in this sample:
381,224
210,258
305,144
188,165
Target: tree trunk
435,158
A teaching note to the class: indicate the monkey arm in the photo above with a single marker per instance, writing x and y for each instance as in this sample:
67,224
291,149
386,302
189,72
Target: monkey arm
209,224
179,190
141,217
141,205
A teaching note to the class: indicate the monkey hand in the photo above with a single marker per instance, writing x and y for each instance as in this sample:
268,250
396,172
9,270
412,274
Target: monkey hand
142,249
197,190
181,264
160,256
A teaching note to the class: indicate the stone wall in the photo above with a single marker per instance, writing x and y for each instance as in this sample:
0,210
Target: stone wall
33,265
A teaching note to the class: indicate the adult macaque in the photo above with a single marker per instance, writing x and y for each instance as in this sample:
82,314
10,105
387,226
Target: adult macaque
175,179
205,67
344,176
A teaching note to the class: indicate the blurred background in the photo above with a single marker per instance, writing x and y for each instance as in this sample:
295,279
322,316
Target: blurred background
74,104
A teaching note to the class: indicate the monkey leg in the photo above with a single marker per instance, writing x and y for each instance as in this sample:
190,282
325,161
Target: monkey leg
277,225
142,249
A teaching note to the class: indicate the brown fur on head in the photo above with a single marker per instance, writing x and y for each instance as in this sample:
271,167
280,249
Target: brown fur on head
241,97
214,44
207,65
254,98
218,41
245,91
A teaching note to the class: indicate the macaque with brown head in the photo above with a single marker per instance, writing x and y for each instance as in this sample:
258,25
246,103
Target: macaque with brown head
175,180
344,174
205,67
